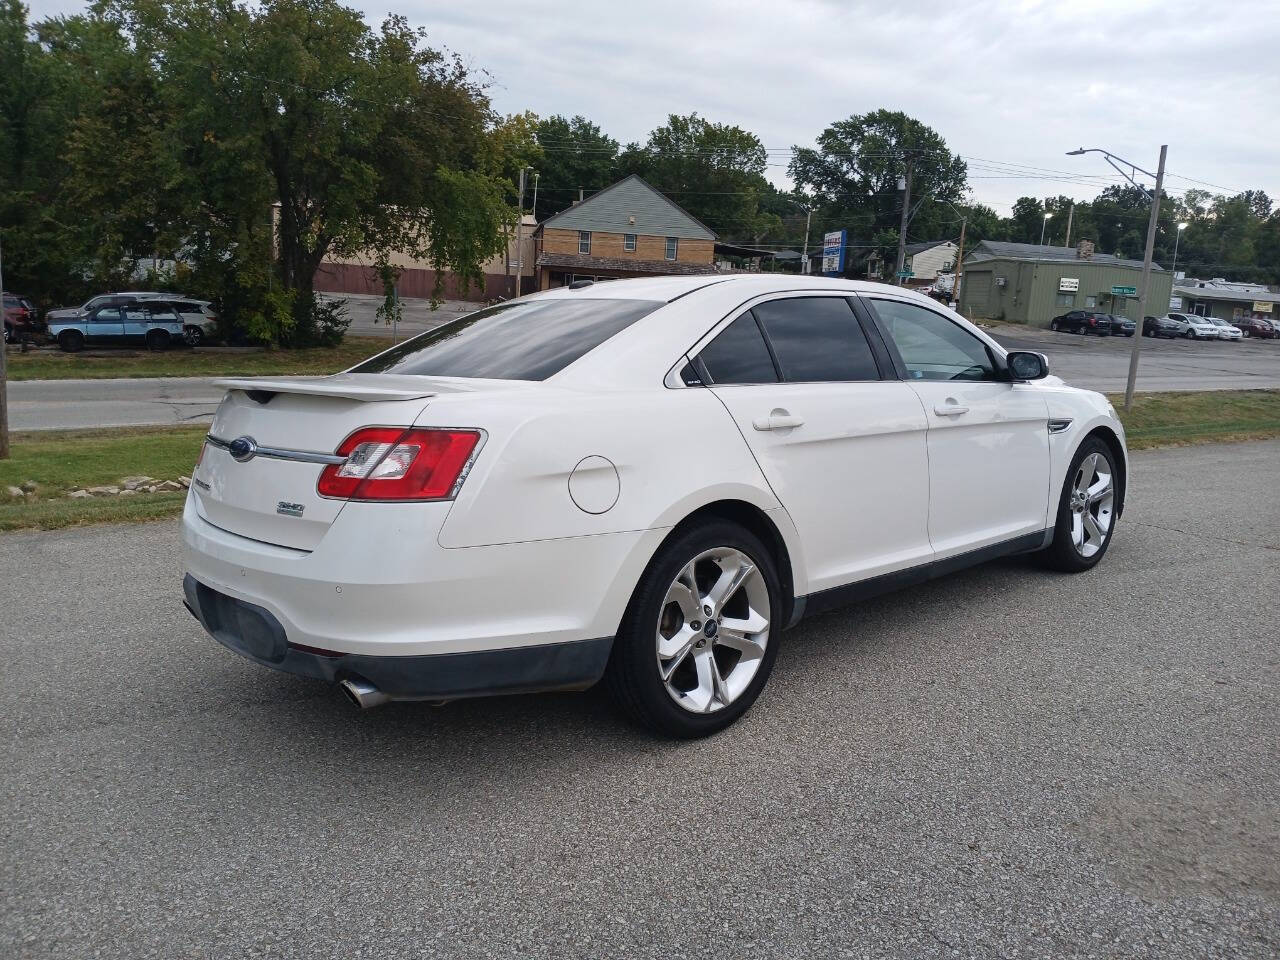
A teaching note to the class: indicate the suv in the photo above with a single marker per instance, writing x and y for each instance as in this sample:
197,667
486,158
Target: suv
199,322
20,319
1257,327
1083,321
1161,327
154,323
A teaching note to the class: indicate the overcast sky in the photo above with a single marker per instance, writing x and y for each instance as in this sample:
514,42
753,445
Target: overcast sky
1010,86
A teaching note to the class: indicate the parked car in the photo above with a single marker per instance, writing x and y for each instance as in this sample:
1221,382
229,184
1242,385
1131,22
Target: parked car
1160,327
1122,326
527,446
155,324
199,322
101,300
1225,330
1083,321
1257,327
1195,327
21,319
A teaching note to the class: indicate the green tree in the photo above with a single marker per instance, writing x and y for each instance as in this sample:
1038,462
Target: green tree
715,171
576,155
854,171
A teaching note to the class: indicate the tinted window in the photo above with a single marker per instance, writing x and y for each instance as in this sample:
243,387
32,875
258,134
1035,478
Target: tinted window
738,354
931,346
817,339
525,340
163,312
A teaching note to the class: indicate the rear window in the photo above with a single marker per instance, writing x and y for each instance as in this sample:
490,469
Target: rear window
525,340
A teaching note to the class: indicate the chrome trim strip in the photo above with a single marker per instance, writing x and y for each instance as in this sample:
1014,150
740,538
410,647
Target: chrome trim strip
280,453
1058,426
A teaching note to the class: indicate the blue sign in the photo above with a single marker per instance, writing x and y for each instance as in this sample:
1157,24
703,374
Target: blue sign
833,247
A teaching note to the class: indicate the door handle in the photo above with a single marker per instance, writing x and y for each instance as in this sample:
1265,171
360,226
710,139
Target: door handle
950,409
777,420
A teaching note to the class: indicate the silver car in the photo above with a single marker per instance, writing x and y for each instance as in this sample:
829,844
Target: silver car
154,324
1225,330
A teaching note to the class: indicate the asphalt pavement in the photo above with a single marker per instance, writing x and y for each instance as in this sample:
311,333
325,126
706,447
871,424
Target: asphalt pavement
1006,762
1091,362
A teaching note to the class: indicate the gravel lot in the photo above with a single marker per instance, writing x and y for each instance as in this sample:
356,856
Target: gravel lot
1007,762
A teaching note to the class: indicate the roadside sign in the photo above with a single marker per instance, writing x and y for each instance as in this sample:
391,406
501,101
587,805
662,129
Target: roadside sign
905,274
1262,306
1121,291
833,247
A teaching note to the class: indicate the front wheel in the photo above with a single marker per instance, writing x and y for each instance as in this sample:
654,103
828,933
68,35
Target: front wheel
1053,325
1086,509
699,638
72,341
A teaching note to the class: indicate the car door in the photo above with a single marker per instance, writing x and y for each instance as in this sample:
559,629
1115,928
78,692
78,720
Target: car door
105,325
137,319
839,437
988,437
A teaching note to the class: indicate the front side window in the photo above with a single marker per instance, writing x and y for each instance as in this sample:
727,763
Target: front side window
673,247
932,347
738,354
629,242
817,339
523,340
584,241
107,315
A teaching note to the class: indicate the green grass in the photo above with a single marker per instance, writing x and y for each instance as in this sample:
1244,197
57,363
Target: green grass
58,461
1175,419
209,362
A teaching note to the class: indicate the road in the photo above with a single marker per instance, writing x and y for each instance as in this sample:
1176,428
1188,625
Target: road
1004,762
1092,362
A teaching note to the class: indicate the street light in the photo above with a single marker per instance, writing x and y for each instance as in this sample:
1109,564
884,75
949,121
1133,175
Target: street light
1176,237
1043,223
1130,175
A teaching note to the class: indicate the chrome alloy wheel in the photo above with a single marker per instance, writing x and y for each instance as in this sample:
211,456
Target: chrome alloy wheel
1093,494
713,630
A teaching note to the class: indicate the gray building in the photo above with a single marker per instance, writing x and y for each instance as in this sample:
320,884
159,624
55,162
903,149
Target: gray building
1225,299
1032,284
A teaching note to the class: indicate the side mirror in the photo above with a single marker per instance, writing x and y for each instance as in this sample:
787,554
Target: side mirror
1024,365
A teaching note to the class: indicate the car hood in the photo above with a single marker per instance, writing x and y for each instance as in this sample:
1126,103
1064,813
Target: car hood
63,313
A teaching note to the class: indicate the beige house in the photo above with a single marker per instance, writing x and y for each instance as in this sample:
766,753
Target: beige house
359,274
626,230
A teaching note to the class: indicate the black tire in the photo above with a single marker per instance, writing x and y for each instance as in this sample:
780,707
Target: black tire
72,341
1128,334
1053,325
1062,553
8,333
193,335
157,340
632,678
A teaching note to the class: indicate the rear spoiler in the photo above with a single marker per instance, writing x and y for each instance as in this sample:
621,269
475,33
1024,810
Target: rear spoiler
369,388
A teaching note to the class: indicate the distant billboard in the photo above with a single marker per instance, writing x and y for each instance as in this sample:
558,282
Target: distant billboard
833,247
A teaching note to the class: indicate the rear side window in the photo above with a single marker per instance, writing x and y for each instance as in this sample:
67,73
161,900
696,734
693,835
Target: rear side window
525,340
817,339
738,354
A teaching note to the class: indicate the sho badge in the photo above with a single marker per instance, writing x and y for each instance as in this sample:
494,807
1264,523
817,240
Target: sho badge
289,509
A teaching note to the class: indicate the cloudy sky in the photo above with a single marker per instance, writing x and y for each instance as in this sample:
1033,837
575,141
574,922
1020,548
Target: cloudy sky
1011,86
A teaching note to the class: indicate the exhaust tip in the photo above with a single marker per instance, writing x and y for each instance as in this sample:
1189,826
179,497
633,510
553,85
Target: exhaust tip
362,693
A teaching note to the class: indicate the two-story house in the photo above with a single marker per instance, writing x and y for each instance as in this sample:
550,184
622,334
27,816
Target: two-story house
626,230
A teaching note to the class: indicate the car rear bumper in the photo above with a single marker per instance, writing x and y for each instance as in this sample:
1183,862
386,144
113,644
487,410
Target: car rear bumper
254,632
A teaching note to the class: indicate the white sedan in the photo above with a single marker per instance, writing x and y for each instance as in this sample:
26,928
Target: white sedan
645,481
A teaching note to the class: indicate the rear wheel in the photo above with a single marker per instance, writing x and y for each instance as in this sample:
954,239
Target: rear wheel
72,341
699,638
1086,509
1053,325
157,339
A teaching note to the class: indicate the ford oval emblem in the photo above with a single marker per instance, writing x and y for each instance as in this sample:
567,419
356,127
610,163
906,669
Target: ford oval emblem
243,449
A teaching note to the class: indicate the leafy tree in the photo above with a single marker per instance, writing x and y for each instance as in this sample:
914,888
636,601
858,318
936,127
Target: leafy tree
715,171
576,154
853,174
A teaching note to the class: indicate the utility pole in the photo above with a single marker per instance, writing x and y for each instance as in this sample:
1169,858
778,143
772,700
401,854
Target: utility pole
4,374
519,236
535,195
959,270
1070,216
902,230
804,262
1119,164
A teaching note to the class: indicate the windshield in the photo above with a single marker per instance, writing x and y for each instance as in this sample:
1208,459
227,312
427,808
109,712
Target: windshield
524,340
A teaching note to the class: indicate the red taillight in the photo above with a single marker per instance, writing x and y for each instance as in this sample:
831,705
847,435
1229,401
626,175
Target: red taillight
392,463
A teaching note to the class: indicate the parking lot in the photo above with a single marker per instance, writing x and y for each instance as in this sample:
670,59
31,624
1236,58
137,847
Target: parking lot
1006,762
